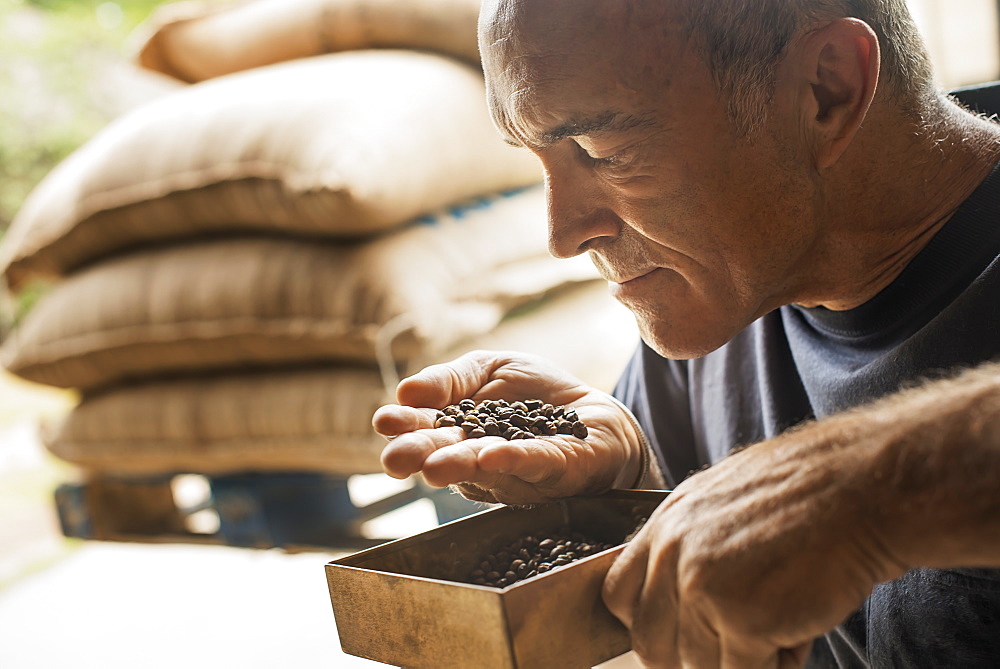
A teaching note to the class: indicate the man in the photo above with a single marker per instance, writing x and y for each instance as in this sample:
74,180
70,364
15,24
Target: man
804,229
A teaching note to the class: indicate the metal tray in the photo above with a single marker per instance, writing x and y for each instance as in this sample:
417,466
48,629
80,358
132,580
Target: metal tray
403,603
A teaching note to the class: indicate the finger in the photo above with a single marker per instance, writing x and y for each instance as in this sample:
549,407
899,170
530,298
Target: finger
655,627
794,658
745,654
406,454
393,420
625,579
697,641
737,660
447,383
456,463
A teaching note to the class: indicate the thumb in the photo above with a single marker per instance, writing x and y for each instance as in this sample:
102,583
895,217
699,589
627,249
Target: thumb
447,383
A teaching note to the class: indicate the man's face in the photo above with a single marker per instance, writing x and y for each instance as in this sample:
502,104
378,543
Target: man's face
698,230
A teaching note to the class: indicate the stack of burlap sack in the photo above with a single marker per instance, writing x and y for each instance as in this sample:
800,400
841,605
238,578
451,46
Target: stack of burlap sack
244,266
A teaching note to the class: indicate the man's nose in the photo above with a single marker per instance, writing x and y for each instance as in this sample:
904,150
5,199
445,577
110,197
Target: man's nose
580,213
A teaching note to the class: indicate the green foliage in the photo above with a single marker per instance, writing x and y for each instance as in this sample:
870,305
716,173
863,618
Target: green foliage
52,56
133,9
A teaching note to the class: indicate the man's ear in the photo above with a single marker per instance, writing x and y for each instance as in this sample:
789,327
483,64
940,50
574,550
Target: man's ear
838,66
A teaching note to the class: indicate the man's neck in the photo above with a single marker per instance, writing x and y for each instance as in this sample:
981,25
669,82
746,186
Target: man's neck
893,204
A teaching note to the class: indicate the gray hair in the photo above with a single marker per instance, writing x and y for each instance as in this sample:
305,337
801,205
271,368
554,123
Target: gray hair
744,39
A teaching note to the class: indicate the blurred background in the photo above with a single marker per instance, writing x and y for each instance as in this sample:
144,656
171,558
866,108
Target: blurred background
171,452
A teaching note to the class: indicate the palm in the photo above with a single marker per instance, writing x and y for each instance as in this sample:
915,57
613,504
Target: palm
492,468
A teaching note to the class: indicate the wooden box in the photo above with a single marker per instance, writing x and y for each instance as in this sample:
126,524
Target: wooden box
405,602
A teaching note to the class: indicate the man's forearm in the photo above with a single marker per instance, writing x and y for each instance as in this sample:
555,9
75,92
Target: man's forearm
937,450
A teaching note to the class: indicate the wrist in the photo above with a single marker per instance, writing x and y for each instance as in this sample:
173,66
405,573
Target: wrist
636,468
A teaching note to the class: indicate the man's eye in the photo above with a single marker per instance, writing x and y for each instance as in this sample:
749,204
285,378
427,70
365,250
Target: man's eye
612,165
617,165
609,161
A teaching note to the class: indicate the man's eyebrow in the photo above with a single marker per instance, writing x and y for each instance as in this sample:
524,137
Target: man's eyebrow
608,121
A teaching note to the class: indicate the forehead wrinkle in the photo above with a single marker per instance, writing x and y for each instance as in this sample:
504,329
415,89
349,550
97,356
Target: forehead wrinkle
520,105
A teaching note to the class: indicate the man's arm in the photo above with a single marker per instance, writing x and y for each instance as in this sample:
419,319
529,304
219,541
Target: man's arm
747,561
939,454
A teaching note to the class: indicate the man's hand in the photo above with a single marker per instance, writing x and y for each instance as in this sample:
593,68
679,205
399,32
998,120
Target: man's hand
492,469
748,561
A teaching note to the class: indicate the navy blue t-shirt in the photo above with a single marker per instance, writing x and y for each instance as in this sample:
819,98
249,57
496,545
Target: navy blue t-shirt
941,314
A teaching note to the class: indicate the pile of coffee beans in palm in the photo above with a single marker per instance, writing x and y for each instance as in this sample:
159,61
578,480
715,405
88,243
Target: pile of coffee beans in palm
531,556
525,419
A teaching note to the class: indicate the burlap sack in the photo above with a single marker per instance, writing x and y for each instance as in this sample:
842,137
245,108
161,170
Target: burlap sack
342,145
309,419
194,41
267,301
315,419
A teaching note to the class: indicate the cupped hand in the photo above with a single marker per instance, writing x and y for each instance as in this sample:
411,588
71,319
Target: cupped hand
492,469
745,563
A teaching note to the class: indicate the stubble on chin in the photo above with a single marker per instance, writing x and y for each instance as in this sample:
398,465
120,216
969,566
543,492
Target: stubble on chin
685,339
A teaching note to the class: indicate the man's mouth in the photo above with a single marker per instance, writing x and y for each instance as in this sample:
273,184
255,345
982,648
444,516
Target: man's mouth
628,278
622,287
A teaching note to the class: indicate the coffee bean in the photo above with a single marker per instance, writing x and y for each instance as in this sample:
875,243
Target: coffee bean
530,418
530,556
477,433
518,420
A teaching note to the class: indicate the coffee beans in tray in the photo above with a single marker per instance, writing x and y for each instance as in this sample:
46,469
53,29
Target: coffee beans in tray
525,419
531,556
